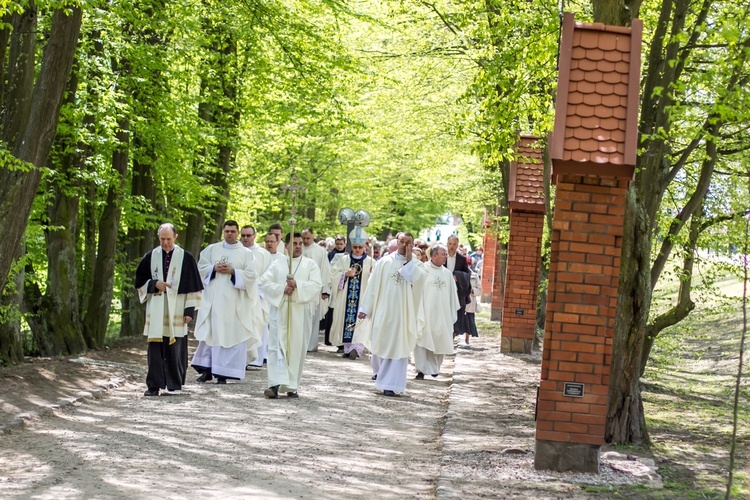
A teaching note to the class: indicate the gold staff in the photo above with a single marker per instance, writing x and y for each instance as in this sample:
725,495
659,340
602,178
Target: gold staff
293,188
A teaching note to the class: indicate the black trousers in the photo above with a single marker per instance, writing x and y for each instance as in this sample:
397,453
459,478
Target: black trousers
167,364
327,322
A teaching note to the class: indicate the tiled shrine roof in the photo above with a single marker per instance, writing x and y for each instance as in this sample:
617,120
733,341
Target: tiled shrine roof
597,99
527,176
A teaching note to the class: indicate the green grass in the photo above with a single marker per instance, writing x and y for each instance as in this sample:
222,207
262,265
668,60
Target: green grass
688,392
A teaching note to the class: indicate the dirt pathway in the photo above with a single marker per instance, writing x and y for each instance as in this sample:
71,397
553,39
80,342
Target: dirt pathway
467,434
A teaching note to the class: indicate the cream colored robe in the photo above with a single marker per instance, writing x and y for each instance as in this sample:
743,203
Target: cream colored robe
287,345
440,305
230,313
392,303
320,256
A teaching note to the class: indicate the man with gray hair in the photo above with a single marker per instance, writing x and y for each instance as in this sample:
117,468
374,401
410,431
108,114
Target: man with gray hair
168,281
440,303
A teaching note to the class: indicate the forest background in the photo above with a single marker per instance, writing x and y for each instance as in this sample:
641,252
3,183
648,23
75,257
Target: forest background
117,116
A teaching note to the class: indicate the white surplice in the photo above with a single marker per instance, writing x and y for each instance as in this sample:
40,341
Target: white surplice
230,320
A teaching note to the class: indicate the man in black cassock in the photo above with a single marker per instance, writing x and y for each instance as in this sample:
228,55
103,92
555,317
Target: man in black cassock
459,266
168,281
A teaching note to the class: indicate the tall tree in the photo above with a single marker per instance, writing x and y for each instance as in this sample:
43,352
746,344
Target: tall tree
694,99
31,106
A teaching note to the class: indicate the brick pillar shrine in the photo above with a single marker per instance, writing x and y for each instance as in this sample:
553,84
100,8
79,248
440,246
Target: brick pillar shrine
527,207
498,283
593,153
493,282
489,243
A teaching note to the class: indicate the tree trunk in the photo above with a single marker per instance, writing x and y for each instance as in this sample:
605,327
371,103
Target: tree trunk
88,250
61,294
97,313
194,232
626,422
7,20
17,187
60,302
147,86
20,76
541,314
11,339
667,59
616,12
139,241
89,203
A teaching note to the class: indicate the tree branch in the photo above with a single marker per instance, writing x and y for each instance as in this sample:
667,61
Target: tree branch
445,21
692,205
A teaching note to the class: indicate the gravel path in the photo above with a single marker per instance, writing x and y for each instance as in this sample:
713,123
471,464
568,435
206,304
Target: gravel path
467,434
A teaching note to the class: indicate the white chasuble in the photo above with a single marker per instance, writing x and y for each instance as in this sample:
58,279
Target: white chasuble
440,304
287,340
303,300
392,302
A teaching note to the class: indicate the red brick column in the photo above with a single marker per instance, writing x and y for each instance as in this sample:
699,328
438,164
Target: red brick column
594,153
522,281
584,270
498,284
489,243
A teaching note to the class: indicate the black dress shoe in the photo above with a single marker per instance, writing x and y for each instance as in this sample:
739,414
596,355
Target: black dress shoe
292,394
221,380
151,392
345,355
272,392
375,377
420,376
205,377
390,394
434,374
340,349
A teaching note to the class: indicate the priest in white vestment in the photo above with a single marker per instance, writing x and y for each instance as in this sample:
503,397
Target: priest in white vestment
168,282
440,305
230,320
271,243
392,302
262,263
318,254
291,297
350,274
277,230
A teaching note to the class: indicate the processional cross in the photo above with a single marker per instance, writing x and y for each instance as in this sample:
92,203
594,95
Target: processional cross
293,188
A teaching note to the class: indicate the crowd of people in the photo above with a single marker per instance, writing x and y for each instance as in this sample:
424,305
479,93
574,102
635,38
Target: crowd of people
267,305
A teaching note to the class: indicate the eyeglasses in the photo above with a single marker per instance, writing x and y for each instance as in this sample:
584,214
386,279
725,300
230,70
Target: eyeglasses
248,235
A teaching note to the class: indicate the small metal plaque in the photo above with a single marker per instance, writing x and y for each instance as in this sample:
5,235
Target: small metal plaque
519,312
573,389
